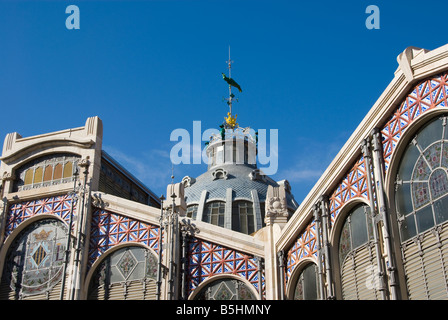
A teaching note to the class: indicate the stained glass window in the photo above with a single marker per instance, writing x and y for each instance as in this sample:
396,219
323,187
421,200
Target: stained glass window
226,289
45,171
35,259
126,265
422,183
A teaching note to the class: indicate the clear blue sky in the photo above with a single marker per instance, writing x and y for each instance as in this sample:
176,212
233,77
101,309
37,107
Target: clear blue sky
312,70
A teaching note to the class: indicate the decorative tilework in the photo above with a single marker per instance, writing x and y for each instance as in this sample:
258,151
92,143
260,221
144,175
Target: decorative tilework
426,95
19,212
352,186
109,229
206,259
305,246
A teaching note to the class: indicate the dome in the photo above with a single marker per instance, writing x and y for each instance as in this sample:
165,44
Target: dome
232,192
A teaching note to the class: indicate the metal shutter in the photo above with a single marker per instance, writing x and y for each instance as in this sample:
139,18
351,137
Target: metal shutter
6,293
133,290
357,273
425,260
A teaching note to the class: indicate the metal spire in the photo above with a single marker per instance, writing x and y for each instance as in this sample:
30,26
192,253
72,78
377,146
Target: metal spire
230,120
229,66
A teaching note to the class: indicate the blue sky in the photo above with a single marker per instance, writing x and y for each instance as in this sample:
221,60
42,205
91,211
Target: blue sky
312,70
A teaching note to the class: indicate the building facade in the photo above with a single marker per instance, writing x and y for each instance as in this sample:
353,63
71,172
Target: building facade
76,225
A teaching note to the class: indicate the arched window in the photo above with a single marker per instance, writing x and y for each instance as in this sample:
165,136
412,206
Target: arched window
34,262
306,285
422,183
357,256
214,213
421,202
130,273
192,211
243,216
226,289
46,171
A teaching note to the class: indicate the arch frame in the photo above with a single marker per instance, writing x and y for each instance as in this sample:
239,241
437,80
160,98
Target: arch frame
389,184
104,256
223,276
292,281
335,235
23,226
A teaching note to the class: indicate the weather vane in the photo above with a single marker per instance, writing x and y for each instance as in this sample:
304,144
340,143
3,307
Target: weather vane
231,120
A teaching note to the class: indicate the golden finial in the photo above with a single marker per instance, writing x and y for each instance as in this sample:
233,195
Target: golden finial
231,121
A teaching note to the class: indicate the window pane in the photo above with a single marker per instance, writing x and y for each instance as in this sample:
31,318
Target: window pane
38,174
48,173
57,172
403,199
344,242
192,210
432,155
298,293
420,194
358,227
430,133
445,154
438,183
28,176
421,170
214,213
310,283
407,163
68,170
408,229
441,210
425,219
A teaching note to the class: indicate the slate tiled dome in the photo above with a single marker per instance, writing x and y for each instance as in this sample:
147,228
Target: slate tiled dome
240,178
231,194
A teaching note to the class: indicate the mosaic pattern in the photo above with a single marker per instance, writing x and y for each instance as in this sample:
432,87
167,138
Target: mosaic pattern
109,229
305,246
206,259
354,185
427,95
19,212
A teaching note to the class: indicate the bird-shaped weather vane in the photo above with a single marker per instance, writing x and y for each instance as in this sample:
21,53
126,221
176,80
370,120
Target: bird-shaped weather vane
231,120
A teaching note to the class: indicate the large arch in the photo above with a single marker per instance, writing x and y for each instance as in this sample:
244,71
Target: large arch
296,274
127,271
225,287
422,268
355,265
34,257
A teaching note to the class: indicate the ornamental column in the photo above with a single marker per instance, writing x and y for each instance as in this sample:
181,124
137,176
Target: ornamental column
321,279
276,216
383,217
327,246
82,231
365,148
175,208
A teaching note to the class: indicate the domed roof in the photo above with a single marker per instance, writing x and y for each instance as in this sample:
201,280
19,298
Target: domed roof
232,192
242,179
